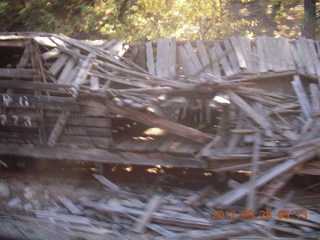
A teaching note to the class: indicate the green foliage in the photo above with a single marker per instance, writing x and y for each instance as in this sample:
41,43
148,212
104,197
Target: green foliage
141,20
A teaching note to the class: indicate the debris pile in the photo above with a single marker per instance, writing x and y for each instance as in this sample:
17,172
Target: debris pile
229,105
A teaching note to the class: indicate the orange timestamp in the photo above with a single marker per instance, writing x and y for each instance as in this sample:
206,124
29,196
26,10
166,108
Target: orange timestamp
221,214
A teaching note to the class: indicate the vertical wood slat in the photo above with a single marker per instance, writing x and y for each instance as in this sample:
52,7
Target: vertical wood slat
172,57
287,54
150,58
297,58
267,53
313,55
261,55
160,53
305,54
315,97
166,53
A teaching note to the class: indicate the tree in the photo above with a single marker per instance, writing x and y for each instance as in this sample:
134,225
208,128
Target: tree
310,19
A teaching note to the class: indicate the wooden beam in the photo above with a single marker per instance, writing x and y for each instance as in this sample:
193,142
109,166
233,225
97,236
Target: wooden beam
247,109
57,130
146,217
18,73
302,96
155,121
16,84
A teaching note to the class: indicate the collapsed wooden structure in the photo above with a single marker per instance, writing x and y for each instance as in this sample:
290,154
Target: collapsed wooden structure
227,105
186,104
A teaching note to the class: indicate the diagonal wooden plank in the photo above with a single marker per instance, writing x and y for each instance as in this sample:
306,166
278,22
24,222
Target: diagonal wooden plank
215,63
155,121
232,57
203,55
185,62
224,61
302,96
247,109
146,217
193,56
58,64
236,46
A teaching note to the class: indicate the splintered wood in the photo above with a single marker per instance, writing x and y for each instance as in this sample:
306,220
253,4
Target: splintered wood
230,105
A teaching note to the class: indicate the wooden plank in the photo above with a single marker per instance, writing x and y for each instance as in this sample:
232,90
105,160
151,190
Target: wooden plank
172,57
261,55
56,67
84,141
247,109
245,43
160,58
69,205
53,53
313,55
18,73
224,61
315,97
238,52
65,74
215,64
25,57
155,121
240,192
193,56
28,101
94,83
86,121
165,55
276,53
146,217
185,62
82,74
302,96
267,53
297,58
304,52
150,59
106,182
251,206
288,59
12,43
232,57
57,130
180,220
203,54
